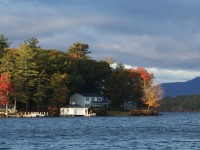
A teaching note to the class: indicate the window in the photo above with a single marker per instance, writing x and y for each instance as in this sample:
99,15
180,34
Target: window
99,99
92,98
87,98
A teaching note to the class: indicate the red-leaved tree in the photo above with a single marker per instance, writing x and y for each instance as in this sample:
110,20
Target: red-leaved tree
5,88
151,93
145,75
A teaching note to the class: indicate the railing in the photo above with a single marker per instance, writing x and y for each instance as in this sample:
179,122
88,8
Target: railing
33,114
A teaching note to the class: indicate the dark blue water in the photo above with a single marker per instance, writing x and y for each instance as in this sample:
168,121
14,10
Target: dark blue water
180,131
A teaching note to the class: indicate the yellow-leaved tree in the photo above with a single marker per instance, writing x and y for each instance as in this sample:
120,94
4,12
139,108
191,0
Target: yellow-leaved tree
152,95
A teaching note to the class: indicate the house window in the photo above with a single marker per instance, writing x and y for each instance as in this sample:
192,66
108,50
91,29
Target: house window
92,98
87,98
99,99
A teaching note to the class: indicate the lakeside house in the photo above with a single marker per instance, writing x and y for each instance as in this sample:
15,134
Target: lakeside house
81,102
74,110
89,100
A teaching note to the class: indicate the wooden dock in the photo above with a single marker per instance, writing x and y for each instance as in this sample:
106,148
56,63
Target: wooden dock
24,114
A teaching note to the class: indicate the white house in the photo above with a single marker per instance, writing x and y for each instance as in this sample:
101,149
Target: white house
74,110
88,100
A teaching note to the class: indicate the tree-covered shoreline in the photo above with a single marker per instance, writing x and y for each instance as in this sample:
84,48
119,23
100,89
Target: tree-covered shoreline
184,103
44,79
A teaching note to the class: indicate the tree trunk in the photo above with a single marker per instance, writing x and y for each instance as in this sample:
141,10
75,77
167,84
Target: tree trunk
148,107
26,107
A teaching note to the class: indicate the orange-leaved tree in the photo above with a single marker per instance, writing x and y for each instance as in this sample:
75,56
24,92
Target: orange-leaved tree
152,96
5,88
151,93
147,78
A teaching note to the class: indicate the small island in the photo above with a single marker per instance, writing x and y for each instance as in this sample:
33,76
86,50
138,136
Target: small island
35,79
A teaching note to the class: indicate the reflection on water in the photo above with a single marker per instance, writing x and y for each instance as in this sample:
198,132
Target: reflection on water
168,131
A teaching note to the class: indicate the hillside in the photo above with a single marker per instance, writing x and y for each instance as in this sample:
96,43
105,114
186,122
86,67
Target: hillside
190,87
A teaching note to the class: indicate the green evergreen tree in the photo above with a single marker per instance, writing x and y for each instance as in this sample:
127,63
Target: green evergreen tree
26,70
78,51
33,43
118,86
4,43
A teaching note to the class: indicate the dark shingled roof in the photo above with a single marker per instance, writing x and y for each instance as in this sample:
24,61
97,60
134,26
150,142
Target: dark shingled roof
90,94
101,102
74,106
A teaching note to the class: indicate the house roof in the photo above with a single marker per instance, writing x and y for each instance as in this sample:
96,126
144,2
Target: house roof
74,106
102,102
90,94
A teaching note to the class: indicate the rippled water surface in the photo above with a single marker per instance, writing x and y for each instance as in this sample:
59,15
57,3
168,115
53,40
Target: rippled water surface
168,131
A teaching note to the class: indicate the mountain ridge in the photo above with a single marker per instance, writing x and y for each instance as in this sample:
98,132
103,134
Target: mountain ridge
190,87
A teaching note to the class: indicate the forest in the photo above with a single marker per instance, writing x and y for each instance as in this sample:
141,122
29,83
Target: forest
37,79
182,103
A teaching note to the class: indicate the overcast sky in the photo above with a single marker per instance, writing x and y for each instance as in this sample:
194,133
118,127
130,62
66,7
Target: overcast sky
160,35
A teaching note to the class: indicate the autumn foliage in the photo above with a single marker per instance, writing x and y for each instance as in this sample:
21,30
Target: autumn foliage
45,78
5,88
151,93
144,74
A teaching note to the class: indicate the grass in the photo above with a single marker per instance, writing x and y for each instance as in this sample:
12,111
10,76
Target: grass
118,113
133,113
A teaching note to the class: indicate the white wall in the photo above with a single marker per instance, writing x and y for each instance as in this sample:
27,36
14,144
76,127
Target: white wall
79,99
73,111
78,111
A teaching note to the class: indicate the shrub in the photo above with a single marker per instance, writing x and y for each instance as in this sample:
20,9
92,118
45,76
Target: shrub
53,111
99,111
144,113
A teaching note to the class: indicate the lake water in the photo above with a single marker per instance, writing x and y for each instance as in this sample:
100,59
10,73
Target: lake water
175,131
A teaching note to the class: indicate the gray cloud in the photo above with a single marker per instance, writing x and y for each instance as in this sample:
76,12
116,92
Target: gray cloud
153,34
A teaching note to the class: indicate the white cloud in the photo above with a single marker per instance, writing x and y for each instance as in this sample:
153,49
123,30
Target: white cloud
167,75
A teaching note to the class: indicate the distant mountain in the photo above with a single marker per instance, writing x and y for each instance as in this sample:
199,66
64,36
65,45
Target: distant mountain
190,87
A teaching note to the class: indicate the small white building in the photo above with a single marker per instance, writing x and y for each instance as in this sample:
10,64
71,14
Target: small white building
88,100
74,110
